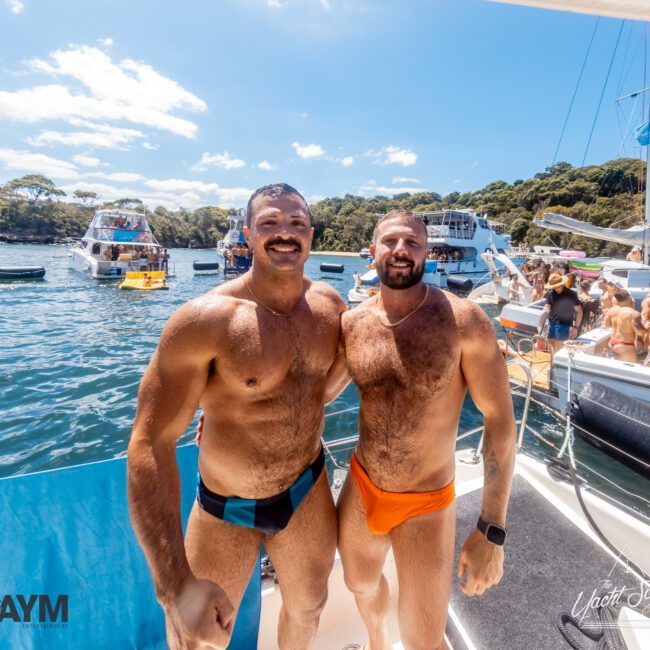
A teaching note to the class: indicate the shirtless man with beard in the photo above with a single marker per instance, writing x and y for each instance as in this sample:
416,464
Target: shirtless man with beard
261,356
413,352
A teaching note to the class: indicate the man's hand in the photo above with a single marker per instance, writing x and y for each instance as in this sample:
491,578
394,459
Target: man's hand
573,332
482,561
201,617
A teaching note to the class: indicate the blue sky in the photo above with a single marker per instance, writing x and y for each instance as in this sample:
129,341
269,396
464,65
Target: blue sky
200,102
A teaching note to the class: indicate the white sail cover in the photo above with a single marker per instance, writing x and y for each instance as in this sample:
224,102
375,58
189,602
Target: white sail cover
630,9
635,236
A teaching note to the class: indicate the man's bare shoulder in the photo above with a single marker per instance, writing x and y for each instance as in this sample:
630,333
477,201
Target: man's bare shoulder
326,291
471,320
199,319
359,314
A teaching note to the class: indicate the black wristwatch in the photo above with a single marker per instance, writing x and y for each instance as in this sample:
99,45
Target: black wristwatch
494,533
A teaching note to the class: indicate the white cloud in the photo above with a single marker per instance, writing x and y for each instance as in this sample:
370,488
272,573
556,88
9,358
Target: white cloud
120,177
325,4
106,41
266,166
315,198
99,89
16,6
88,161
181,185
170,193
392,155
223,160
347,161
36,163
307,151
150,146
99,135
274,4
304,115
372,189
405,179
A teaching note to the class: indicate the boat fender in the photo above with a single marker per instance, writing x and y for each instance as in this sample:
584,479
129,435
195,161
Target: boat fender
463,284
328,267
622,421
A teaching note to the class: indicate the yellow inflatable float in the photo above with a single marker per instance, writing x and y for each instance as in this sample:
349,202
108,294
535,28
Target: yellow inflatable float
144,281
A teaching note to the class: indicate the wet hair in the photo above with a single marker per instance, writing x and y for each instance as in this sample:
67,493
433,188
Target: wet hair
622,296
274,190
406,215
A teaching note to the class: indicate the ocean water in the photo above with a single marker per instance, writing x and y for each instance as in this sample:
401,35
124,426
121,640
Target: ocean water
73,351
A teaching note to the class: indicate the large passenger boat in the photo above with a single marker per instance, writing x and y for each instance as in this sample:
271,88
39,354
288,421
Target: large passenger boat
117,241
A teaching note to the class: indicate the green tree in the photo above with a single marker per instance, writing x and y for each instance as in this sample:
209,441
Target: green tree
34,187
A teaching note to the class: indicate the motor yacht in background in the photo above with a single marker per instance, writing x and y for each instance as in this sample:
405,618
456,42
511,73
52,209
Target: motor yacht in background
117,241
234,240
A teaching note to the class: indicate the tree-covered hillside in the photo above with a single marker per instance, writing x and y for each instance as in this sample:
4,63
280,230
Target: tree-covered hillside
611,194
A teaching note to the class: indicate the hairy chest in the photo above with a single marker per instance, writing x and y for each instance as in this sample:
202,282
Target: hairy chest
263,352
421,357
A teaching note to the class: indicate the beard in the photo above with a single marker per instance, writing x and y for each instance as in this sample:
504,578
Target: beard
400,279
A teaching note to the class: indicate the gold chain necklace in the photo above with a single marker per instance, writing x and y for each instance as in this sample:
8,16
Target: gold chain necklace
401,320
275,313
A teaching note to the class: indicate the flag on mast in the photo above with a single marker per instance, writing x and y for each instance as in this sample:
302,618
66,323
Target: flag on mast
642,134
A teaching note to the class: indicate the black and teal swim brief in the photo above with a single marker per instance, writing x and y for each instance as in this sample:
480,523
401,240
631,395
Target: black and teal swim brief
270,515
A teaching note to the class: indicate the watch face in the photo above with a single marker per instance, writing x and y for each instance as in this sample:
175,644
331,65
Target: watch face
495,535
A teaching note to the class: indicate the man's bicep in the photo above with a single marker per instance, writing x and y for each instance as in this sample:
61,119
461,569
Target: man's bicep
485,372
172,386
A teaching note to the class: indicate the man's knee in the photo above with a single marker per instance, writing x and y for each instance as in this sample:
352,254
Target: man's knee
307,606
362,583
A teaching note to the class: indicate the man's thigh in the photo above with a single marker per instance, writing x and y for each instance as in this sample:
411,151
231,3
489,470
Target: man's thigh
362,553
423,547
221,552
303,553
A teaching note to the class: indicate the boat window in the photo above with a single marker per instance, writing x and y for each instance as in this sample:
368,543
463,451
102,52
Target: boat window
620,273
95,250
483,223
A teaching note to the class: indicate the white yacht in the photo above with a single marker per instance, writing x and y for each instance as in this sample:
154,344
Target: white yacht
116,241
457,238
230,263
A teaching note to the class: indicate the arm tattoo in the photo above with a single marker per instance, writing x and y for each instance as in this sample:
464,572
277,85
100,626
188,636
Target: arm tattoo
490,464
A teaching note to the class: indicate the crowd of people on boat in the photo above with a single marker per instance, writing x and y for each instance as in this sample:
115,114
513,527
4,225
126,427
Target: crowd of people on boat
236,252
573,311
445,254
149,258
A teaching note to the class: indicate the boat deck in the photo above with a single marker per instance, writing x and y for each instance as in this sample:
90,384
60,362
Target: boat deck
548,563
539,363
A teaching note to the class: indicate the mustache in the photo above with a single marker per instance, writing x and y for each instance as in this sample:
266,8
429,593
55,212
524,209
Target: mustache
282,242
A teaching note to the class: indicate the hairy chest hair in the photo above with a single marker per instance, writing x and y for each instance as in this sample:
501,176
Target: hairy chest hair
262,351
420,356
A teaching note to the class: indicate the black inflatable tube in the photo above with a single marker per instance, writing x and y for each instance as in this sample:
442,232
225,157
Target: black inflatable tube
21,272
602,413
327,267
205,266
464,284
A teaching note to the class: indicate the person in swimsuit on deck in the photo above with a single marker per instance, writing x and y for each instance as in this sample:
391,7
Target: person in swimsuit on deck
261,355
413,352
625,322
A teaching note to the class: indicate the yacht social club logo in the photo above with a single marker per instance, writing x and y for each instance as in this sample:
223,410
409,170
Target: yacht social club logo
37,609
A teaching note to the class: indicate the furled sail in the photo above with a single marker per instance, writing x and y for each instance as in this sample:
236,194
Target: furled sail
635,236
631,9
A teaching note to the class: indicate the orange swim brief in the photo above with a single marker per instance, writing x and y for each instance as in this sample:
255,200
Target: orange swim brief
386,510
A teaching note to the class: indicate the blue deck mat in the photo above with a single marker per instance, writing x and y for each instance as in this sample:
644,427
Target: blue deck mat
68,532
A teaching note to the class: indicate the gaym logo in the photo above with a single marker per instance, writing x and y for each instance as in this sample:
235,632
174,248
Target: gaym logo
35,608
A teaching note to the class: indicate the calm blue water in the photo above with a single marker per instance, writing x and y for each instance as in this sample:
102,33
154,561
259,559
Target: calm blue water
73,351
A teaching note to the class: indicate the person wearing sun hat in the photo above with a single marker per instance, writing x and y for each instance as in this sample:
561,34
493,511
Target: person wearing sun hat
563,309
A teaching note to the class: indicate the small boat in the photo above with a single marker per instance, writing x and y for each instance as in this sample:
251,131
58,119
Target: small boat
22,272
364,253
233,241
144,281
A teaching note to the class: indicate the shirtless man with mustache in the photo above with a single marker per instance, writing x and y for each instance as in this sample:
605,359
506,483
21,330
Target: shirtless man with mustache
413,352
260,355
